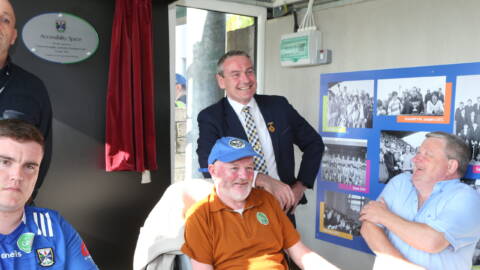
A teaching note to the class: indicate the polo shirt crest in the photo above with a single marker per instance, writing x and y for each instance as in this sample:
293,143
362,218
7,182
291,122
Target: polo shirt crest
262,218
25,242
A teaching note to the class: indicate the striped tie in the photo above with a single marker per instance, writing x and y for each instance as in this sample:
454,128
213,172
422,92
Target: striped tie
260,164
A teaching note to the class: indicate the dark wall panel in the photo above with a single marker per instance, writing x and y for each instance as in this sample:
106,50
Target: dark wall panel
106,208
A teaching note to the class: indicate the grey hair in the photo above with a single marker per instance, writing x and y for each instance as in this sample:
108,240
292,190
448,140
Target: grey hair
455,148
228,55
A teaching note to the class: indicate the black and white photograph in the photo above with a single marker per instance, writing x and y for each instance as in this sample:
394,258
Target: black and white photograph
475,184
476,257
350,104
467,113
344,161
411,96
342,211
397,148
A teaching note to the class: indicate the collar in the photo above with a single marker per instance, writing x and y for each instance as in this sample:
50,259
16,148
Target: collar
237,106
440,186
444,185
13,236
253,200
5,74
5,70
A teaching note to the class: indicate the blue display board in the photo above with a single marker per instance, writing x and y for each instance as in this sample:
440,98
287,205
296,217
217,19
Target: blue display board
373,121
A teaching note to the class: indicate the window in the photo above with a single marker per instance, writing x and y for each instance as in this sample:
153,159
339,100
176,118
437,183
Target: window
201,31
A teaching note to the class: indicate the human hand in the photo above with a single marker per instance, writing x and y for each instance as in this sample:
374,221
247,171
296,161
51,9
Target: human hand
298,190
282,192
375,212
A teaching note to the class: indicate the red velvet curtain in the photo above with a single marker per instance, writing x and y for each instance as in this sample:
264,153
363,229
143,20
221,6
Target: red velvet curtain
130,121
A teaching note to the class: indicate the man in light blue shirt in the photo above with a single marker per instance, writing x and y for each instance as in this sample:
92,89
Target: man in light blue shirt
429,217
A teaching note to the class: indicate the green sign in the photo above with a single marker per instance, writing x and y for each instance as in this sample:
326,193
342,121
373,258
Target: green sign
294,49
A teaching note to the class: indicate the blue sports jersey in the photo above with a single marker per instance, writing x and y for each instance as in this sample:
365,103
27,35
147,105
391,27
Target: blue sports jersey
44,240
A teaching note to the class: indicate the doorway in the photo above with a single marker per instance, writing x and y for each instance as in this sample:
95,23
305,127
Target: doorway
200,33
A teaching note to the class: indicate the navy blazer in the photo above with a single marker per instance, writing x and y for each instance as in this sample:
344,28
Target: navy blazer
286,128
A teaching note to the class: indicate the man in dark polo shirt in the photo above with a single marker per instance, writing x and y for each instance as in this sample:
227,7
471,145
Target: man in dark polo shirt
22,94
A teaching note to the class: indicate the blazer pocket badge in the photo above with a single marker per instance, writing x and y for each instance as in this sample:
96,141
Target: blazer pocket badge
271,127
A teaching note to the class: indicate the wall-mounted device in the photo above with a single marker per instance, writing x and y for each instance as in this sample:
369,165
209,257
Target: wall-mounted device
303,49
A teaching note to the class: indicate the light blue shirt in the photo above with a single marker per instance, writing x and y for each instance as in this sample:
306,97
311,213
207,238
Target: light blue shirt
452,209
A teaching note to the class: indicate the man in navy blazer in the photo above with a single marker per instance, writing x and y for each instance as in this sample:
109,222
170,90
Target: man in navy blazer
278,124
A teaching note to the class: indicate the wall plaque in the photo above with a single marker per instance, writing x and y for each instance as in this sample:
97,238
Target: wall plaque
60,37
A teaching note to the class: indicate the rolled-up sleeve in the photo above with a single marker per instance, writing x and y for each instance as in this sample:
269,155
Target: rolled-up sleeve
457,219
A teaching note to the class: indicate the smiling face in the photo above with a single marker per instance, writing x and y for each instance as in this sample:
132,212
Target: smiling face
19,165
233,180
238,79
431,163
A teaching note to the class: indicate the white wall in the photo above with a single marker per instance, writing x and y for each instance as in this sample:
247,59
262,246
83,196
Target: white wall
375,34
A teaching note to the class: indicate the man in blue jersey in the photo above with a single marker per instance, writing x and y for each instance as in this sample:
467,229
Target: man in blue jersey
31,237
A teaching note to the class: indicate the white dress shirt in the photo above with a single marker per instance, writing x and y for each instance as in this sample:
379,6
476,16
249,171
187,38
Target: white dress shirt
262,131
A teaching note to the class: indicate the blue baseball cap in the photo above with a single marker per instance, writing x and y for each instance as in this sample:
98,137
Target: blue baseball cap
228,149
180,79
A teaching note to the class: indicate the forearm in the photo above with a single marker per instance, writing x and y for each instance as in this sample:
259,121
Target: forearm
378,241
417,235
313,261
282,192
196,265
310,143
307,259
387,254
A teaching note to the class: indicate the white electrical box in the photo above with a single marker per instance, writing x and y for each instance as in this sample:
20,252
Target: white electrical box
303,49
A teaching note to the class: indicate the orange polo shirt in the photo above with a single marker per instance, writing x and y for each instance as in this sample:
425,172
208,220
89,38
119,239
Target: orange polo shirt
219,236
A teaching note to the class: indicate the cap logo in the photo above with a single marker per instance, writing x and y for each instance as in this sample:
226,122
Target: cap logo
236,143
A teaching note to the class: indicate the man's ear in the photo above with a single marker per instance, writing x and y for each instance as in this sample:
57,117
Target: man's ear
211,169
14,37
452,166
220,81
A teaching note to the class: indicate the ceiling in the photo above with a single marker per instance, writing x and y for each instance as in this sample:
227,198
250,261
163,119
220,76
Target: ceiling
277,3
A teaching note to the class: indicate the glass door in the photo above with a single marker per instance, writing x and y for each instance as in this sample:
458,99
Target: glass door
200,33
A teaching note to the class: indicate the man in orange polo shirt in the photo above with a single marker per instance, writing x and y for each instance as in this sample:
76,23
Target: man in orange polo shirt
240,227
